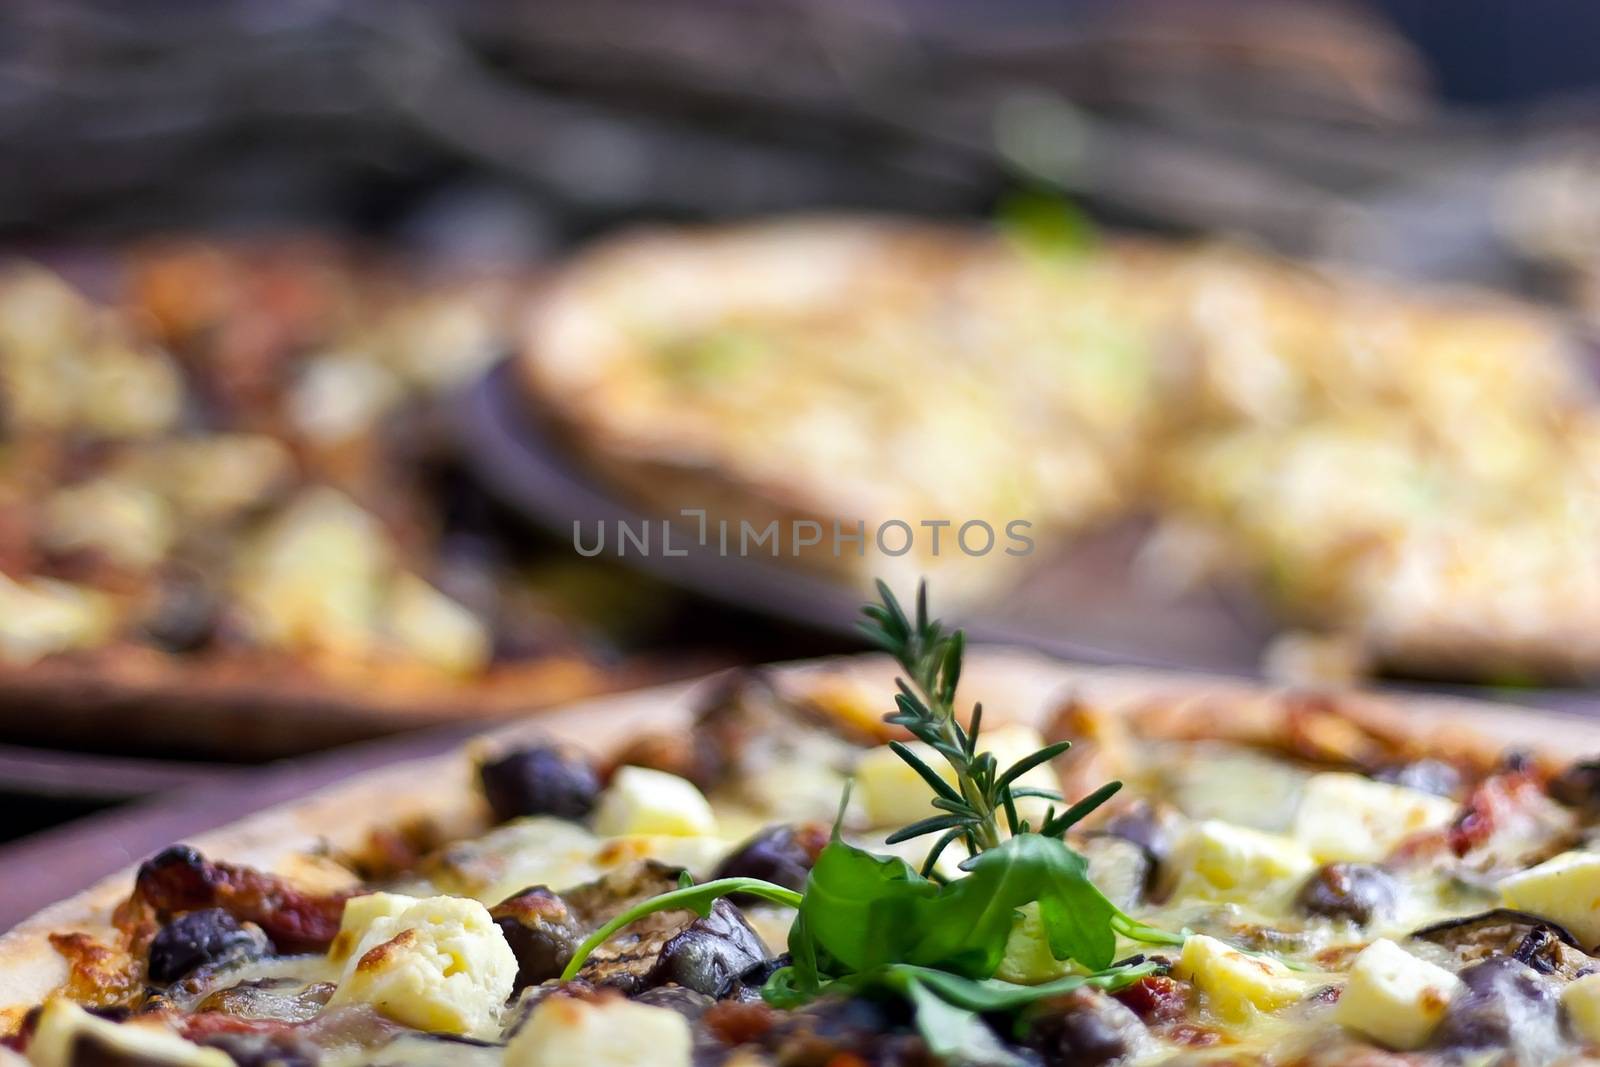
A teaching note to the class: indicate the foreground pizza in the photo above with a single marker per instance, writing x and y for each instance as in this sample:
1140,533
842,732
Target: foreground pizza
1342,891
1305,430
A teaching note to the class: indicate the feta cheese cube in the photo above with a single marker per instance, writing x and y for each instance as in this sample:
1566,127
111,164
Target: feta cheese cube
1236,984
641,801
567,1032
439,964
359,915
1394,998
64,1029
1581,998
1564,889
1223,861
1349,817
893,794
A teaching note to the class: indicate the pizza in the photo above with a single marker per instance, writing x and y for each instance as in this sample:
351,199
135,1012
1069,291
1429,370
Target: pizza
225,485
670,878
1303,430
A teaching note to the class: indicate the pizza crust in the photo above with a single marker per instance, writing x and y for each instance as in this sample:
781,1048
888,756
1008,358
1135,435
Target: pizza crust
1013,684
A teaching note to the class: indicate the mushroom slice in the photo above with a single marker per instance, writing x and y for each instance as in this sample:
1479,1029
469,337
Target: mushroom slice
1503,932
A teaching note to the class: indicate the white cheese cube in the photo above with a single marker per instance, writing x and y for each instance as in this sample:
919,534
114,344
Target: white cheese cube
567,1032
641,801
1564,889
1236,984
1225,862
893,794
441,964
64,1028
359,915
1349,817
1394,998
1581,998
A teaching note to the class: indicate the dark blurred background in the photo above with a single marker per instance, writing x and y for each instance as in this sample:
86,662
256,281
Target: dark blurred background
494,127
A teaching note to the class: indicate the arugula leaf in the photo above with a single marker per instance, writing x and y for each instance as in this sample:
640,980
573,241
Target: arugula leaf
975,914
861,910
993,996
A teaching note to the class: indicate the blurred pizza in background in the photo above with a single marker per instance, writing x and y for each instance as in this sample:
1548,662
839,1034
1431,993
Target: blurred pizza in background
225,502
1406,474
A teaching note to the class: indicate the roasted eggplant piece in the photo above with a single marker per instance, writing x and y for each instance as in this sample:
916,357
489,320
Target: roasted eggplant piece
204,938
782,854
701,954
686,1002
1353,892
710,952
593,903
1579,787
1539,944
1122,869
281,1049
1082,1029
750,740
746,987
1506,1005
542,932
1147,826
179,879
282,999
1426,775
539,780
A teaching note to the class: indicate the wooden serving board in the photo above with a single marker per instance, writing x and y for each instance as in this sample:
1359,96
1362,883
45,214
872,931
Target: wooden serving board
438,787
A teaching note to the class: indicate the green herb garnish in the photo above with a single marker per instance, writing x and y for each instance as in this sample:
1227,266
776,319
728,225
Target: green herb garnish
873,925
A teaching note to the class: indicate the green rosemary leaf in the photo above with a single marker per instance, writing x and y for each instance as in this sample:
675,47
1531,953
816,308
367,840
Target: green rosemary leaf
924,826
937,850
928,774
1060,824
1029,762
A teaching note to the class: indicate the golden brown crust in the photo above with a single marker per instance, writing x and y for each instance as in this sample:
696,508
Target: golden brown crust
1012,684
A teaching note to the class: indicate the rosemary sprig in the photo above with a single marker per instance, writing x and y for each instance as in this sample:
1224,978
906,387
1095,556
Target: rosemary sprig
925,705
871,923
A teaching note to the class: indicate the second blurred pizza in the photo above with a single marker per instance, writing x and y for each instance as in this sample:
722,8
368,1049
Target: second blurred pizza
229,525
